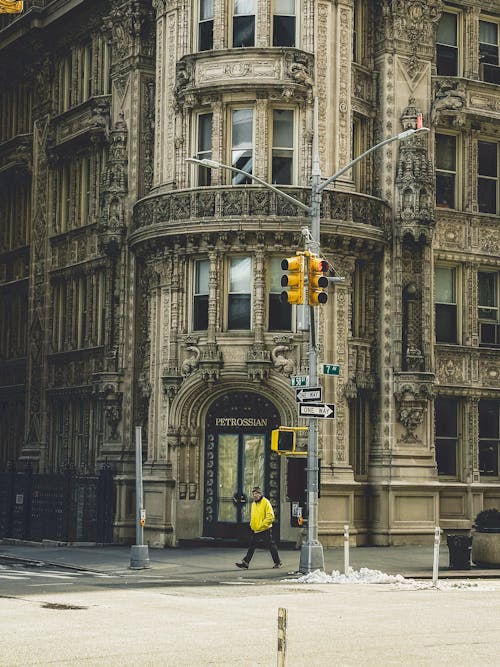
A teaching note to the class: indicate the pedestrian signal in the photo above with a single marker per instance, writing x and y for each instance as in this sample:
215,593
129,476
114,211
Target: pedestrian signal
294,280
317,281
284,440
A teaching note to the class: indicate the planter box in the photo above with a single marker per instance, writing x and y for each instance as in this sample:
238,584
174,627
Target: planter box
486,548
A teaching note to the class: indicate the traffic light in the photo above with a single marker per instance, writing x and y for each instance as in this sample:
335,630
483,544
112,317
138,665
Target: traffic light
284,440
294,281
317,282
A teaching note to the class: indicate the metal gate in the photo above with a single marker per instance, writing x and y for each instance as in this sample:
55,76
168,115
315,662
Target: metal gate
64,506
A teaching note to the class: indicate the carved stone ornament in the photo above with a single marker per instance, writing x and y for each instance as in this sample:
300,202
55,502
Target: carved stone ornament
414,182
281,363
210,363
415,21
258,363
114,187
191,363
412,400
449,99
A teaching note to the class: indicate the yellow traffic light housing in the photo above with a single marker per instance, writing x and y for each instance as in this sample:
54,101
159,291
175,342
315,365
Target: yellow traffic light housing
317,281
294,281
284,440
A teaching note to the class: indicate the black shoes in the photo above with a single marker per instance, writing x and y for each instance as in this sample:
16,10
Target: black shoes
243,565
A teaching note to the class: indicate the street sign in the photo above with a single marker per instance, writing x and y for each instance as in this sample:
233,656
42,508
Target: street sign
317,410
309,395
330,369
299,380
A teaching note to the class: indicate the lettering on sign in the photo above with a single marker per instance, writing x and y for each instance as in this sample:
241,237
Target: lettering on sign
240,421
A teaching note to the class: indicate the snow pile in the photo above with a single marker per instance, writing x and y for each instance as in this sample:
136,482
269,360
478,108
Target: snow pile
367,576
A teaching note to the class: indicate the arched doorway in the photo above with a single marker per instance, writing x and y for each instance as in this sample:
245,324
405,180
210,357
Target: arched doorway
238,457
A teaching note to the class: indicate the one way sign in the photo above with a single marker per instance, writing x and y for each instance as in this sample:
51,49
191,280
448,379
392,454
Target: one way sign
317,410
306,395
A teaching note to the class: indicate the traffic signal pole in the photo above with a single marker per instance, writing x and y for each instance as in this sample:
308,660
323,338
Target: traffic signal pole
311,554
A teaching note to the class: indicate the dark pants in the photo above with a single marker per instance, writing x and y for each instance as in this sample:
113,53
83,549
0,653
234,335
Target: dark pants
264,540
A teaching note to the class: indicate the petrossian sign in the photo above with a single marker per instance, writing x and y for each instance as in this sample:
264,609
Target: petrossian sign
239,421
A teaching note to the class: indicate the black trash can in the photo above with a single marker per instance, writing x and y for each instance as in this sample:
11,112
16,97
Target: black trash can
459,547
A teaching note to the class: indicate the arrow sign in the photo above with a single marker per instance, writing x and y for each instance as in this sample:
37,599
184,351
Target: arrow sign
308,395
317,410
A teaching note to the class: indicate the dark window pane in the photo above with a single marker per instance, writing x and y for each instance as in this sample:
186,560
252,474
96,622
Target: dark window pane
488,458
243,31
445,411
280,314
206,36
491,74
243,161
487,195
446,153
446,60
284,31
200,312
489,334
488,419
239,311
446,457
488,54
446,323
445,190
487,159
282,170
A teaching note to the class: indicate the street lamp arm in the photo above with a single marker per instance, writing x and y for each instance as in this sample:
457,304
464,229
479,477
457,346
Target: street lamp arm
400,136
212,164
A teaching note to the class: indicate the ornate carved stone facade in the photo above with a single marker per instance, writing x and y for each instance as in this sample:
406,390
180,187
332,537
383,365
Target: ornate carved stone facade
137,288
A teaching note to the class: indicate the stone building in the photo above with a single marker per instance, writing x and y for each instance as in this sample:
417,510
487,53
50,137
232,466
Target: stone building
137,288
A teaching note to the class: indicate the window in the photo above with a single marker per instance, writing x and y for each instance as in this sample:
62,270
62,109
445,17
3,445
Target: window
489,437
243,23
487,180
282,157
445,304
359,435
284,23
206,26
487,298
361,170
445,419
200,295
204,147
280,314
447,45
488,51
239,293
446,170
360,300
242,144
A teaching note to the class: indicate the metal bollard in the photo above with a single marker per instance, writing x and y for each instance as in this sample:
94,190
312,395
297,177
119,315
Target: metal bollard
346,550
281,637
435,564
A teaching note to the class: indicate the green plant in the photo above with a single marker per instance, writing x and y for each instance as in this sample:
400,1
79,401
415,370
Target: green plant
487,520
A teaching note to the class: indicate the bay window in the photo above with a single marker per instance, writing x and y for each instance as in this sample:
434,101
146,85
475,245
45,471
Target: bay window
284,23
204,147
239,296
242,144
282,152
200,294
206,26
243,23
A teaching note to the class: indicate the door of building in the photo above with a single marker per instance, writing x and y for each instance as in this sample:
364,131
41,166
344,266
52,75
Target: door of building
238,457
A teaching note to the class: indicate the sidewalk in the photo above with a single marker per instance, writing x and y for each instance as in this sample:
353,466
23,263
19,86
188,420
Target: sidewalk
204,563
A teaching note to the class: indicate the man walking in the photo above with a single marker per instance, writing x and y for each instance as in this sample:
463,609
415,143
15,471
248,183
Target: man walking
261,523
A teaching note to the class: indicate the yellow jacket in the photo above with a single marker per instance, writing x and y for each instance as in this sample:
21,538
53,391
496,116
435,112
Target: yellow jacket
261,515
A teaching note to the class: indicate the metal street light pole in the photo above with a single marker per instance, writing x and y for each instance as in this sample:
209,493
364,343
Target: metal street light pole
311,554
